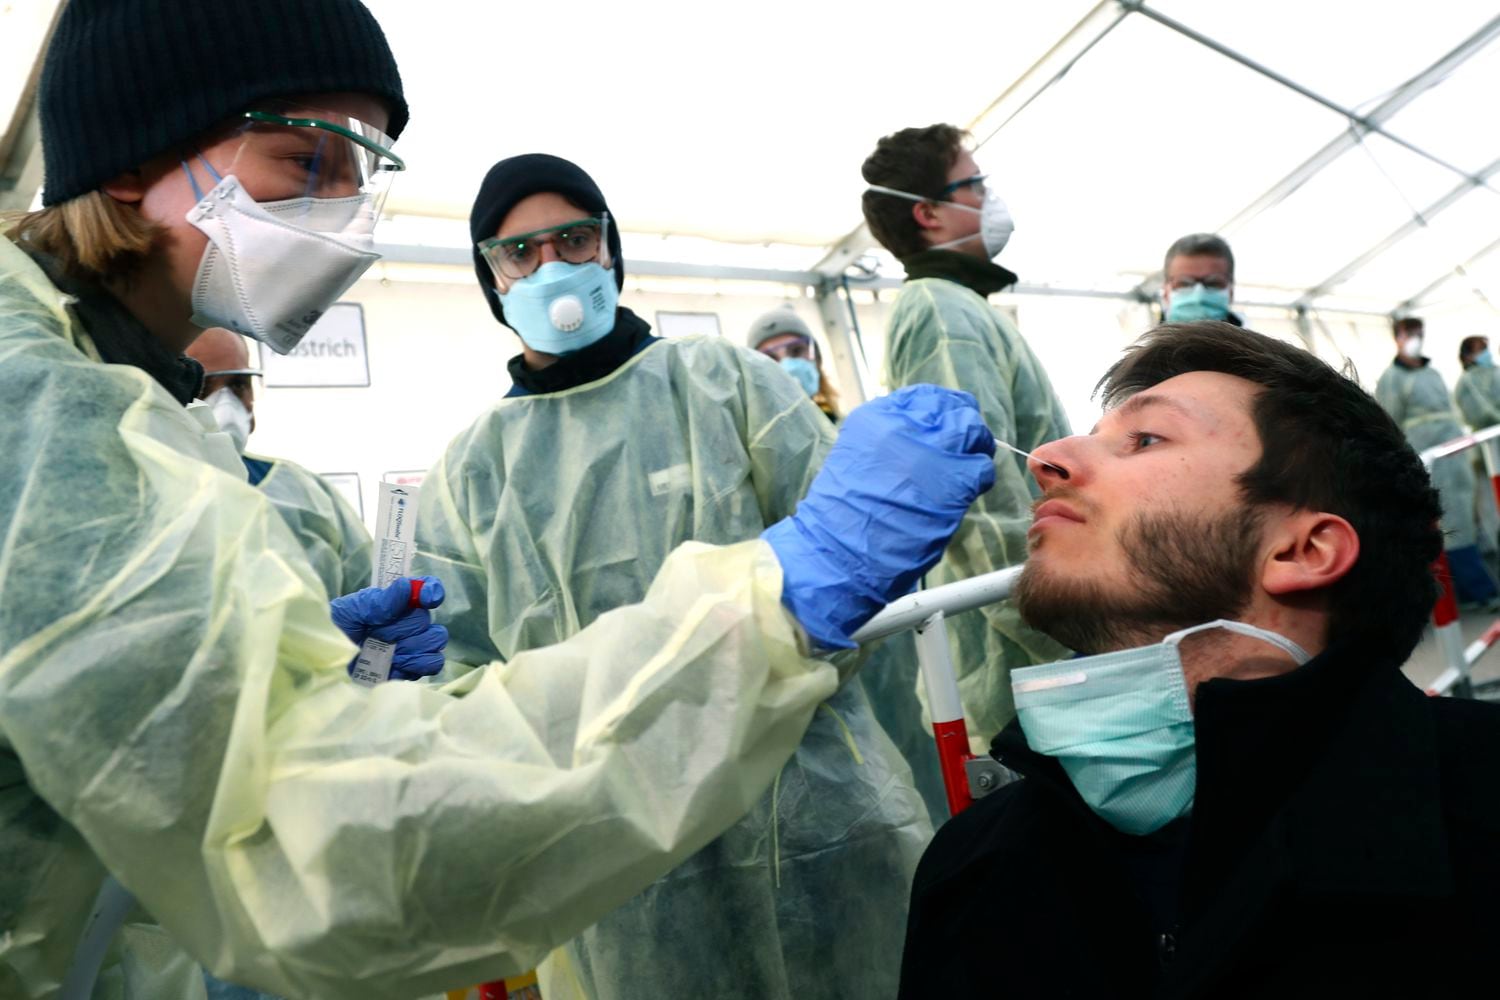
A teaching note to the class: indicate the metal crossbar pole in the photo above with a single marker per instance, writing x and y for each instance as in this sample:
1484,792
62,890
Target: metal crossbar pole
925,613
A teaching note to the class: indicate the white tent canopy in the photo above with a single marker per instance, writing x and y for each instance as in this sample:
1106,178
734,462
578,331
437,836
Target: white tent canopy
1353,173
1344,148
751,129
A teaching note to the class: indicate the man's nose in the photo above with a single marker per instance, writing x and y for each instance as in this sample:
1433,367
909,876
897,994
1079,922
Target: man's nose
1052,463
549,252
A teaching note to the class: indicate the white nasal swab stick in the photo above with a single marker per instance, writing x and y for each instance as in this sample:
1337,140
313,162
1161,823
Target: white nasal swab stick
1026,454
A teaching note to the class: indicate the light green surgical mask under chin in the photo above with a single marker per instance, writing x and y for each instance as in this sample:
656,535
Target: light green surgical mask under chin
1122,728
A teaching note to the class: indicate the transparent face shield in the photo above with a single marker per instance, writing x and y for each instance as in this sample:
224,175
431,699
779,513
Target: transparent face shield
582,241
319,169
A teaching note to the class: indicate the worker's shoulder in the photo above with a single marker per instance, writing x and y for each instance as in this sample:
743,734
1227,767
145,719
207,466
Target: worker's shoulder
704,350
924,291
714,364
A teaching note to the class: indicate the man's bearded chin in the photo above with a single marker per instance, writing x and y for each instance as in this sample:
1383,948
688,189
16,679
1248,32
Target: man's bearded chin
1183,571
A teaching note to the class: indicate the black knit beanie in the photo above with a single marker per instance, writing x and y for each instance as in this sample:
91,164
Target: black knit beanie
519,177
127,80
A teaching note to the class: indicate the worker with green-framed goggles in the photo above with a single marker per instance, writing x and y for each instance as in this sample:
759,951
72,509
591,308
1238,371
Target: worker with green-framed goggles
556,284
288,196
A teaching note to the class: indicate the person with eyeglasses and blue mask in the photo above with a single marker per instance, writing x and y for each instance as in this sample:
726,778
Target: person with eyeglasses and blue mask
611,448
1198,280
928,203
786,339
188,775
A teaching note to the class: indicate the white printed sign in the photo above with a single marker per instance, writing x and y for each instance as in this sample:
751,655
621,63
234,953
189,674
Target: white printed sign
334,353
684,324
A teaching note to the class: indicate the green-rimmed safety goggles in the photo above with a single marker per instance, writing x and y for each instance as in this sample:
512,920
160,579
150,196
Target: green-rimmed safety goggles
282,152
578,242
375,143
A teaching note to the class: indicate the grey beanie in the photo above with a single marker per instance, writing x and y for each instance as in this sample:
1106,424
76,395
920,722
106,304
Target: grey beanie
782,319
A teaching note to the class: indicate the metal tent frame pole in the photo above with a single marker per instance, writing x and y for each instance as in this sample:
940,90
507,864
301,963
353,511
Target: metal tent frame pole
1373,121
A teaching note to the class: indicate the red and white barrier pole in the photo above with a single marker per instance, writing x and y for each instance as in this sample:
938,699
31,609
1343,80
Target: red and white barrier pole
947,709
1450,635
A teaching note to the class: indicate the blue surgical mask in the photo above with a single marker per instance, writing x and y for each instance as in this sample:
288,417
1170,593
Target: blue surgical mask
1198,302
561,308
1484,359
805,372
1122,728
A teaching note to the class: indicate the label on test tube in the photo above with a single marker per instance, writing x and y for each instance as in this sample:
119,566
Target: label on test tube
395,530
373,664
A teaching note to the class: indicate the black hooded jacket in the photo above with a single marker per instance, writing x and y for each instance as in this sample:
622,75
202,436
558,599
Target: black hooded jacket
1344,842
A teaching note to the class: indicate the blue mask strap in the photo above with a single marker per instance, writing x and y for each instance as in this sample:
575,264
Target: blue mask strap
197,191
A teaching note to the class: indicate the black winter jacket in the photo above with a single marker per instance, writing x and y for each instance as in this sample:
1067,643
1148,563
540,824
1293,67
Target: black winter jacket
1344,842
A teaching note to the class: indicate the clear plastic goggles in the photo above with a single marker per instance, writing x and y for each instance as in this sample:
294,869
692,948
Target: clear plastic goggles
304,161
581,241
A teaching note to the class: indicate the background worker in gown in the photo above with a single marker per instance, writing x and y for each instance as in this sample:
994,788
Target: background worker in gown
1416,397
560,503
332,536
932,207
174,704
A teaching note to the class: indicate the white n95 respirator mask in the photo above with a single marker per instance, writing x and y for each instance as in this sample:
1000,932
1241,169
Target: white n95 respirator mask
231,416
271,269
995,222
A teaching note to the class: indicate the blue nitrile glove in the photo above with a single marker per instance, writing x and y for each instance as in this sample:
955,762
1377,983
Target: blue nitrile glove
895,486
385,613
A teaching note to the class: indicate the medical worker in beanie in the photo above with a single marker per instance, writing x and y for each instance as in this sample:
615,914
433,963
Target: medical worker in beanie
930,206
782,336
175,710
560,503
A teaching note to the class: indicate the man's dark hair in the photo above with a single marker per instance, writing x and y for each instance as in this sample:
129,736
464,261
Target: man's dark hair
1326,446
915,160
1406,324
1200,245
1471,345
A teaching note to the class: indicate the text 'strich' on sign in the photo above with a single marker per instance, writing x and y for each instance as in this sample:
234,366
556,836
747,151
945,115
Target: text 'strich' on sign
334,353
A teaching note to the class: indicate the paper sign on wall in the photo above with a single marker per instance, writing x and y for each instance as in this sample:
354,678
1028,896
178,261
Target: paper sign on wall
685,324
334,353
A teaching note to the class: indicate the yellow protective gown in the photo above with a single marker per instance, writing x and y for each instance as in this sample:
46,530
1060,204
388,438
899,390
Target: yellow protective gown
332,536
1418,400
550,510
1477,394
174,709
946,334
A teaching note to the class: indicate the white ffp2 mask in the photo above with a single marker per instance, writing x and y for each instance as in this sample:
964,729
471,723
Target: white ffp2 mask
995,223
270,270
232,417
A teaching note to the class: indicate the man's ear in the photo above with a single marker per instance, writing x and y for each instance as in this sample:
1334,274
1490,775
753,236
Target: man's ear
1311,550
129,187
925,214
